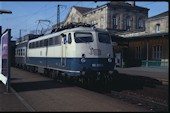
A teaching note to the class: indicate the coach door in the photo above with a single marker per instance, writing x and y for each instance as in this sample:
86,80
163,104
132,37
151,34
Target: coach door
63,49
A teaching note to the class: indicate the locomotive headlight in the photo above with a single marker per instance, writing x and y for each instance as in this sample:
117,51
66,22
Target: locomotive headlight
83,59
109,58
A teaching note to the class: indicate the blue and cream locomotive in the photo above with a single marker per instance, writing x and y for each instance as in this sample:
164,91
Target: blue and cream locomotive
72,51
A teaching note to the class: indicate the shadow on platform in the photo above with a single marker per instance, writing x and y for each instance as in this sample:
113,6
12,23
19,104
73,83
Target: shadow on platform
38,85
130,82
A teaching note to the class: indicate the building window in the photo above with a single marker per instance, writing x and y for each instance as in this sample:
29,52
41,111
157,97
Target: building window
114,22
73,18
157,28
101,22
140,23
78,19
156,52
138,52
128,23
93,22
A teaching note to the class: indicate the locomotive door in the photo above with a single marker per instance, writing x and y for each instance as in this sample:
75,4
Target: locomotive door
63,50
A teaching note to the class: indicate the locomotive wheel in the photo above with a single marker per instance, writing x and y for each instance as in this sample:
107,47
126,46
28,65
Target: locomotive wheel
46,72
79,80
53,74
56,73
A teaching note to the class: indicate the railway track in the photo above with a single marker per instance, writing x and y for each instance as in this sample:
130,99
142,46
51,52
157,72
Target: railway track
152,103
143,101
142,91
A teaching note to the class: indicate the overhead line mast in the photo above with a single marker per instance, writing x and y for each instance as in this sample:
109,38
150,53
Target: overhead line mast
58,15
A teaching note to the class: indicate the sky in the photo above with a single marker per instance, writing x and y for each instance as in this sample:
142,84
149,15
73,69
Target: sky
26,15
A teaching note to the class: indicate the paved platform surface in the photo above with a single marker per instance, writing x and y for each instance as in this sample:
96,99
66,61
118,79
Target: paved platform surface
38,93
161,74
9,101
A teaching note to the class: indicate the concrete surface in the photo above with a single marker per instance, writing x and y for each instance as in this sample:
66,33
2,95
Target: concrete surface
44,94
161,74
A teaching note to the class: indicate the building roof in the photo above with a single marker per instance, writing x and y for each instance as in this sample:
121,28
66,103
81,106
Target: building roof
86,10
82,9
151,35
117,4
125,4
160,15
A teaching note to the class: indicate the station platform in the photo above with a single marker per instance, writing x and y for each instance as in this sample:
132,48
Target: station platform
9,101
33,92
161,74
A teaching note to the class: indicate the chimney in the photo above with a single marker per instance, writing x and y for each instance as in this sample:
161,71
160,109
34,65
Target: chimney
133,3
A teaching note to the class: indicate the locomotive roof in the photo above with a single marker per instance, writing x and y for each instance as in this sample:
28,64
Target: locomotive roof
78,29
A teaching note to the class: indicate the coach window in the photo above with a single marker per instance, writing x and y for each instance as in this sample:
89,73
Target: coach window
34,44
46,42
30,45
69,38
38,43
23,52
53,41
19,52
41,43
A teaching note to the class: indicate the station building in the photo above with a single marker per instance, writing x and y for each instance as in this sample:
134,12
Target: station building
149,48
140,41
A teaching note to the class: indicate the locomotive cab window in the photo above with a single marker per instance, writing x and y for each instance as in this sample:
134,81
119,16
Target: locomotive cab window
104,38
83,37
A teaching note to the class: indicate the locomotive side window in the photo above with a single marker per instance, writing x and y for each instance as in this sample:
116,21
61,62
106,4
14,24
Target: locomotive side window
69,38
50,41
104,38
57,40
83,37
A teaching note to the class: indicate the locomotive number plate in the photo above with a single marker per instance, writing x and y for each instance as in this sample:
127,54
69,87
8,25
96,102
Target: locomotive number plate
97,65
